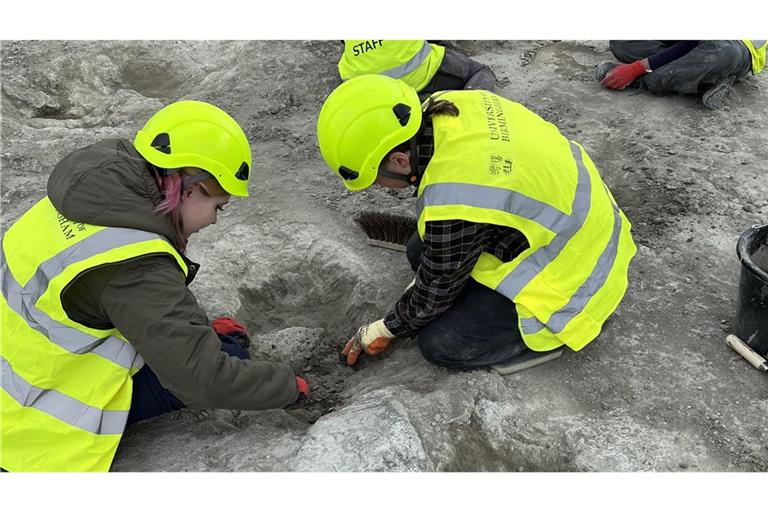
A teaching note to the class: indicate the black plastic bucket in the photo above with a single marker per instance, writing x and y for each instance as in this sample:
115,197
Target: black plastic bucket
752,301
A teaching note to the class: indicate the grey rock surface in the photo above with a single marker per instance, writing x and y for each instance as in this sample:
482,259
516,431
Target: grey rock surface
658,391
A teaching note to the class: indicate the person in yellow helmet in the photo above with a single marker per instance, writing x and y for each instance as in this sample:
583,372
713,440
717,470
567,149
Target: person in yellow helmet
99,327
425,66
521,249
707,68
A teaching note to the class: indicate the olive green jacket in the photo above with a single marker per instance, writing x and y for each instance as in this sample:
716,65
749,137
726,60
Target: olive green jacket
147,299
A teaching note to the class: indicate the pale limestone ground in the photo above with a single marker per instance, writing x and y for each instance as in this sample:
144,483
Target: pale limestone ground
658,391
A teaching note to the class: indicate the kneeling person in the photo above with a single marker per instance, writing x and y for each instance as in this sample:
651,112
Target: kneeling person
521,248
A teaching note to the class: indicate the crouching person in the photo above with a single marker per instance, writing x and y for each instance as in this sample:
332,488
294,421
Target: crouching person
98,326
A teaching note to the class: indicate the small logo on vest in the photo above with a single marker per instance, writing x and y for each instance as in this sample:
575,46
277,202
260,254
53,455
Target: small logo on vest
497,121
498,165
68,227
366,46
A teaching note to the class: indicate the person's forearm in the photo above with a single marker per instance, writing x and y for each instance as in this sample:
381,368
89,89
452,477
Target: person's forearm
424,302
450,251
146,300
668,55
483,78
459,71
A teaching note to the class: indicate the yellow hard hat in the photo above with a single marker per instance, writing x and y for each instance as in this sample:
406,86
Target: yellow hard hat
361,121
197,134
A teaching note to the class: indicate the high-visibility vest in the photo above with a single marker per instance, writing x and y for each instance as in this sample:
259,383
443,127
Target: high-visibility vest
499,163
757,50
65,389
413,62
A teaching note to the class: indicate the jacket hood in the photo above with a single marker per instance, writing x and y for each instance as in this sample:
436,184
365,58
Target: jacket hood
109,184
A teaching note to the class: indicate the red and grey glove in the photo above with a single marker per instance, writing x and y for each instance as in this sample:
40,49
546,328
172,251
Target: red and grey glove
303,389
373,338
623,75
228,326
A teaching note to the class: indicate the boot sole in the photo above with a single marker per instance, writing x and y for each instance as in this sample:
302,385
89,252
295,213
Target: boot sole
528,360
713,98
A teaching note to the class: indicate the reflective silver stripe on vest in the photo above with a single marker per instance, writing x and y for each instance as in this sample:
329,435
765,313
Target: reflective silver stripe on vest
531,266
757,43
565,226
413,64
22,300
559,319
502,199
60,406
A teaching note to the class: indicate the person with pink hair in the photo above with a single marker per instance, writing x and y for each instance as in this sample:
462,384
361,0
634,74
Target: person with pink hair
99,327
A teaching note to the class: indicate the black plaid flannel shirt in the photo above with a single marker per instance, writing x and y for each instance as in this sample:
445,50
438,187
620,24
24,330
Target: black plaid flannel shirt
451,249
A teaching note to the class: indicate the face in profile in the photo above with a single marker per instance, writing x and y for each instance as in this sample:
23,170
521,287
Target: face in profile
200,210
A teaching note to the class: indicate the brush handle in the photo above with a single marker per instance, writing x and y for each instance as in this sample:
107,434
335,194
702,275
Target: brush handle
746,352
386,245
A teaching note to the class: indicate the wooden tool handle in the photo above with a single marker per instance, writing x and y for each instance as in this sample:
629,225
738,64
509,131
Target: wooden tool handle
747,353
386,245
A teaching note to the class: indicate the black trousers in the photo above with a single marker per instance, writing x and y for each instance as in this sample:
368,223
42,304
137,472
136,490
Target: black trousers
694,72
479,329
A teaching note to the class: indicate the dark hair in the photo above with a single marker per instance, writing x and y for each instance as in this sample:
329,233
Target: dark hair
436,107
432,107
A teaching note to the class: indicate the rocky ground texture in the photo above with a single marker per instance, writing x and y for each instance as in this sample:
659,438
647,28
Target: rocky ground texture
658,391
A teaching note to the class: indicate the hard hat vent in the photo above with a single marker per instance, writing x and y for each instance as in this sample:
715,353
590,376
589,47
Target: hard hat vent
243,172
347,173
402,112
162,143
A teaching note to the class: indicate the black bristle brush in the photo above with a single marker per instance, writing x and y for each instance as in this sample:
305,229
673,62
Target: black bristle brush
388,230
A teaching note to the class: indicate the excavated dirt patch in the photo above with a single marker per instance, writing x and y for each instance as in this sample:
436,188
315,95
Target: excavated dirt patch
305,296
302,315
314,355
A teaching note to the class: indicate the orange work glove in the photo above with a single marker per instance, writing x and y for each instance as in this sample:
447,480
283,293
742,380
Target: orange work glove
373,338
303,388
